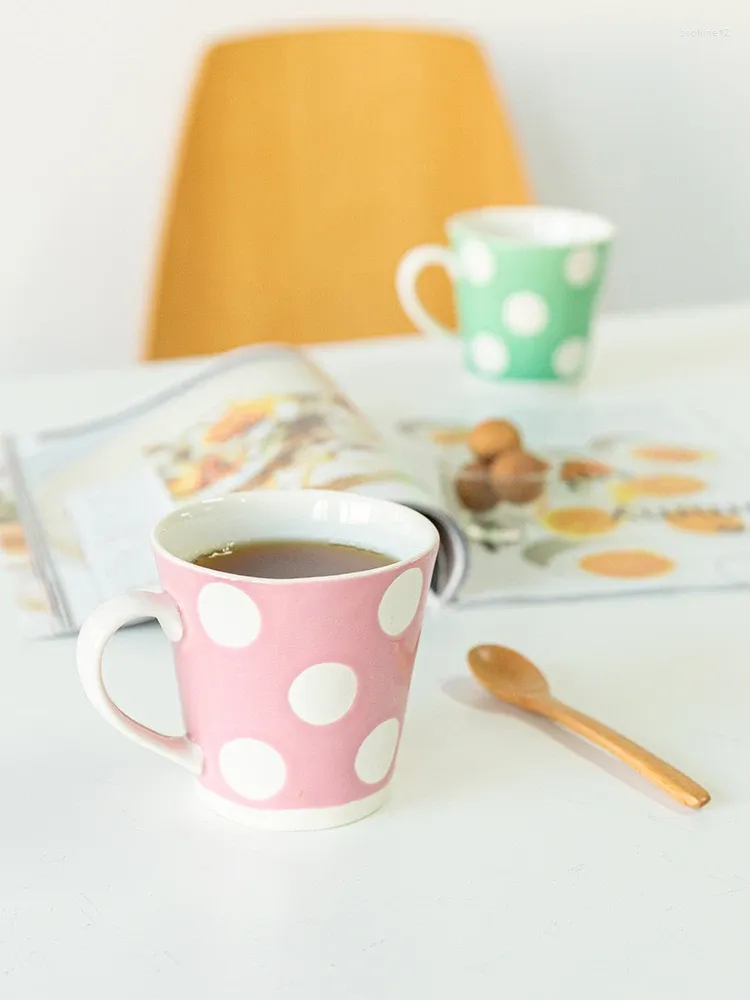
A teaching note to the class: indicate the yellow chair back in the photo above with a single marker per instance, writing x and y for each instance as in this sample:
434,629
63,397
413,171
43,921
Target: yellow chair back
311,161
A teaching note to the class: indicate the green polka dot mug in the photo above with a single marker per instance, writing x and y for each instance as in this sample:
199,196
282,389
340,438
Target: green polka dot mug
526,280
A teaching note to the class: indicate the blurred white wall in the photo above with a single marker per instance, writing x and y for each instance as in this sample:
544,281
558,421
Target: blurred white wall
616,109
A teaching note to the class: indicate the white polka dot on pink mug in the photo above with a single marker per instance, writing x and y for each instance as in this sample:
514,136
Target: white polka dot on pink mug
294,690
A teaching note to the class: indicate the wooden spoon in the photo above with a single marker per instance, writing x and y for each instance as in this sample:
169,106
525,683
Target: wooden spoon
512,678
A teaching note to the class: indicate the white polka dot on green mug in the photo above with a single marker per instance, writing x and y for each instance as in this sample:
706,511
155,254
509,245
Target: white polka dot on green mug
526,282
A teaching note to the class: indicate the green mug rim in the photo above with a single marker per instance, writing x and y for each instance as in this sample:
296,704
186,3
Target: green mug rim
466,223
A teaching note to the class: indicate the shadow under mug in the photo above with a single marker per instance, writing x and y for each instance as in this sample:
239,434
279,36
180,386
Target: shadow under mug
525,281
293,691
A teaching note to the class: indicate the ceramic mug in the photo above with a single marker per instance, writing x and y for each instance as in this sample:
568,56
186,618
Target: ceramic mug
525,280
293,691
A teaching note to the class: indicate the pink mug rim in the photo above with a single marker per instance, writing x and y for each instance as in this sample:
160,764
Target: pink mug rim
240,499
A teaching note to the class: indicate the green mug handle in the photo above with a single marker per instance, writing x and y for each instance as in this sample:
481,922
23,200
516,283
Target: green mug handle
410,267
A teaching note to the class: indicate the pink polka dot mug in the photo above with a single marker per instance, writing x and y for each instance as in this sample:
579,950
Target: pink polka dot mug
293,691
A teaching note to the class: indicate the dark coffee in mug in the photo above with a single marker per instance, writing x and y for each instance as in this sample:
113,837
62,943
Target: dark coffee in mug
290,559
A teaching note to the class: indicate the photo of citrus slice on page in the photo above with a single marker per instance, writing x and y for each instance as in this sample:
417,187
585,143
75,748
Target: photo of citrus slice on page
627,564
705,522
669,453
13,540
579,522
576,470
657,487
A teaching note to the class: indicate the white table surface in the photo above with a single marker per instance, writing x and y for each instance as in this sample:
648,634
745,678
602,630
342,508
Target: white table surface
512,860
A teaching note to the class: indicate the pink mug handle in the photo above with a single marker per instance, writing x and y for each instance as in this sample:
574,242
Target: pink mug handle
97,630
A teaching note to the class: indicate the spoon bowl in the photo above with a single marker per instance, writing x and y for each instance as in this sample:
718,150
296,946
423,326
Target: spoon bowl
507,674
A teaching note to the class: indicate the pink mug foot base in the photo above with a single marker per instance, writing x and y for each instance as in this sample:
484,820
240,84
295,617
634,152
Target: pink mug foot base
293,819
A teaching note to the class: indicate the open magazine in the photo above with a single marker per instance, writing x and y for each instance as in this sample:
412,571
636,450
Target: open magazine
670,510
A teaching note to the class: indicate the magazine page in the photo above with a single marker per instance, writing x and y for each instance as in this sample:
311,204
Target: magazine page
81,502
666,508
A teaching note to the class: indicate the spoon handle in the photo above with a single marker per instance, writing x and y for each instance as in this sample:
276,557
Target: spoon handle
666,777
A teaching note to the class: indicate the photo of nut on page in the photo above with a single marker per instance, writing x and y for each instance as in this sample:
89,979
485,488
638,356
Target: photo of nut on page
86,497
